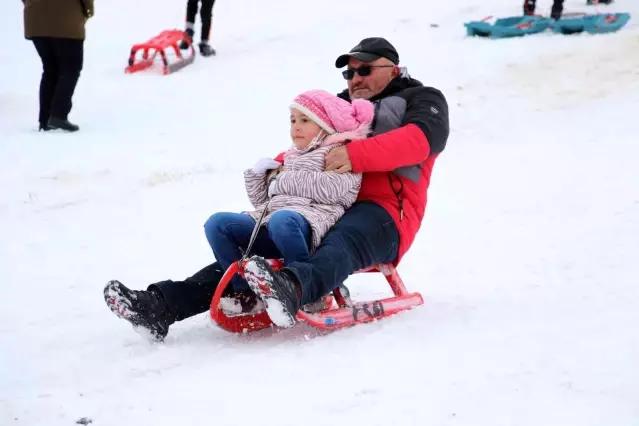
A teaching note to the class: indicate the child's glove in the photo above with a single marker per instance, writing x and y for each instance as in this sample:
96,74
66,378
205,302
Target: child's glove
271,188
264,164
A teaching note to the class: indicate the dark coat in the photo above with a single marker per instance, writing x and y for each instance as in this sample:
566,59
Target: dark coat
56,18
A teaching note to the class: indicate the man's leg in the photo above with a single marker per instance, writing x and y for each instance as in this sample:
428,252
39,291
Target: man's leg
366,235
44,47
70,56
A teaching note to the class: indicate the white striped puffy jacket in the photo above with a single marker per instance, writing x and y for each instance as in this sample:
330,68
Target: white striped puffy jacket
304,187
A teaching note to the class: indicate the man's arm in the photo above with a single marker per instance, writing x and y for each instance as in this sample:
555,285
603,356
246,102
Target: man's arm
424,132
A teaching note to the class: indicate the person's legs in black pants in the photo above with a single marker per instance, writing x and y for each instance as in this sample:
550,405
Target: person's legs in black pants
557,9
193,295
191,12
206,15
49,80
70,58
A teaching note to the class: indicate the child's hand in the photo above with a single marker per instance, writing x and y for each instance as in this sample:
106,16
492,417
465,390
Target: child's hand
264,164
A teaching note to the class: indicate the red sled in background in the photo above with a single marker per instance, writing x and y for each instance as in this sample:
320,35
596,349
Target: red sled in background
339,311
159,44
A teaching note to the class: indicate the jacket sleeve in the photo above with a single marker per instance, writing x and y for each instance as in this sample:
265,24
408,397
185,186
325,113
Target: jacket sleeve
256,188
424,132
87,8
321,187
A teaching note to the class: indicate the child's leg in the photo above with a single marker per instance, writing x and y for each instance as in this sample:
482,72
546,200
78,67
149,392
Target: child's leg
291,234
227,233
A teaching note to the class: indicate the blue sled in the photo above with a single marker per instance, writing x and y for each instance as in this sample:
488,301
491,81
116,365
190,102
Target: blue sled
592,24
515,26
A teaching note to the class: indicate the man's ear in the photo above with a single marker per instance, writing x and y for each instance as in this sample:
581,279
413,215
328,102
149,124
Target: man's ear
395,72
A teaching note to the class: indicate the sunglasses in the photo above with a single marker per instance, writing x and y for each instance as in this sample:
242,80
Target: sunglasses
363,71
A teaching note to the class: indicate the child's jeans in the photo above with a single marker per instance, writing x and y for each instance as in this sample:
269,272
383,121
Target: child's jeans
286,235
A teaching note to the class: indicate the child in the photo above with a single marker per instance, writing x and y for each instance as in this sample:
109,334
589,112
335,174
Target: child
302,200
206,15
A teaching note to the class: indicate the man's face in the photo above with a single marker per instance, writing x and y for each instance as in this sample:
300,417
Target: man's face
365,87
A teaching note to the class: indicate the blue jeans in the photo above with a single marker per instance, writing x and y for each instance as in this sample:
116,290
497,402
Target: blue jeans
364,236
286,235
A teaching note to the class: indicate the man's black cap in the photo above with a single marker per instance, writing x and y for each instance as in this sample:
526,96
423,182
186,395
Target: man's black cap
369,50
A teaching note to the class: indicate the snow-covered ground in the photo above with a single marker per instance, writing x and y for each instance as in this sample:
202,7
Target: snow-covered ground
527,257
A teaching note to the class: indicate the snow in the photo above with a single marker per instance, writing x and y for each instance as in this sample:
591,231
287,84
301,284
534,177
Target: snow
527,257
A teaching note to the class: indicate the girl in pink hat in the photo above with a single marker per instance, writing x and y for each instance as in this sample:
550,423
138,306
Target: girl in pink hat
302,200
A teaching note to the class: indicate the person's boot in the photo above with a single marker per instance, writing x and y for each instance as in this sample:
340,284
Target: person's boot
145,310
55,123
190,33
44,127
241,303
206,49
279,291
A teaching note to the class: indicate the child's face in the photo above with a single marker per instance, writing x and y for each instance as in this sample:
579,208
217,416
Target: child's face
303,129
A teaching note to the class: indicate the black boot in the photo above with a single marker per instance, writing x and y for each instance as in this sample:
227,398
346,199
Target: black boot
58,123
145,310
206,49
190,33
278,290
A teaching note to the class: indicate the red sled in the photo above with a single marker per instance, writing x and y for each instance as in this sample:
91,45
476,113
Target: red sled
339,312
159,44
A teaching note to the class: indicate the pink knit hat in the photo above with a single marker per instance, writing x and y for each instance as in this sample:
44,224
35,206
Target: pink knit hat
333,114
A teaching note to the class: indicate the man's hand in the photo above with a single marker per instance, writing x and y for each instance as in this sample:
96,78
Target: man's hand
337,160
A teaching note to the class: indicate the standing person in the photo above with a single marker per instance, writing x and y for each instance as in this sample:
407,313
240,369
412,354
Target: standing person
555,12
206,15
57,30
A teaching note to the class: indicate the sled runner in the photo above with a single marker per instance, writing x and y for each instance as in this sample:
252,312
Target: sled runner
159,44
339,311
514,26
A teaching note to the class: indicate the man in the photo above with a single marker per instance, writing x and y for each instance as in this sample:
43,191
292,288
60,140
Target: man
410,130
57,30
555,12
206,15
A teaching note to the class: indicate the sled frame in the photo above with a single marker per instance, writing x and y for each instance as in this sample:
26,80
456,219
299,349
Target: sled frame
158,45
340,313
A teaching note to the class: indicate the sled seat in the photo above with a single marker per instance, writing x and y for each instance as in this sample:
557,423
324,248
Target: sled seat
592,24
514,26
340,311
159,44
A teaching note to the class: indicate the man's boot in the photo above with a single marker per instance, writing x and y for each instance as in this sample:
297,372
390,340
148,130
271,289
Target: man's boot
145,310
